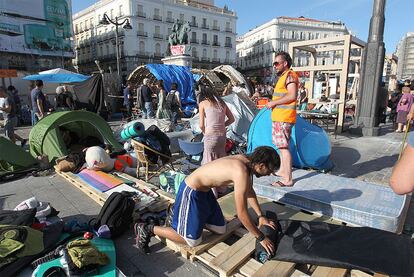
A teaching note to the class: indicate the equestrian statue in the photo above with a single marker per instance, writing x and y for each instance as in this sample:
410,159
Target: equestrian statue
179,34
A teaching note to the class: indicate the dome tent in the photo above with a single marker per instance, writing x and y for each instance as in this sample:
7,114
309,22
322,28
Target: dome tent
46,138
309,144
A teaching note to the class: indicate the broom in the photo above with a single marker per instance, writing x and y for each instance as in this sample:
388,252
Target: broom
405,138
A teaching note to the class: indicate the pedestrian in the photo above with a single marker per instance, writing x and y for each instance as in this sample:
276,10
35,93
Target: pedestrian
303,97
403,107
128,102
173,103
146,100
8,107
196,208
38,101
283,107
161,108
215,116
64,100
16,98
392,104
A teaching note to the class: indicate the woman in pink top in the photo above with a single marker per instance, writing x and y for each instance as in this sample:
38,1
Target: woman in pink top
213,123
403,107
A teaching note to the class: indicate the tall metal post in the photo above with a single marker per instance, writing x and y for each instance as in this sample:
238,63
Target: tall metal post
373,62
118,66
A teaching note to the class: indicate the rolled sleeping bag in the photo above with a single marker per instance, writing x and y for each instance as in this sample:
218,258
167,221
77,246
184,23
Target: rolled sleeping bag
261,254
133,130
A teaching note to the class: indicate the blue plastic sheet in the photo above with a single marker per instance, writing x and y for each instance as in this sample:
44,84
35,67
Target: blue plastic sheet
183,77
309,144
58,78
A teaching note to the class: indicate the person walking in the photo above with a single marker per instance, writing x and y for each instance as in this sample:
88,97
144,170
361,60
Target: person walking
283,107
38,100
213,123
403,109
128,101
63,100
8,107
173,103
146,100
161,108
303,97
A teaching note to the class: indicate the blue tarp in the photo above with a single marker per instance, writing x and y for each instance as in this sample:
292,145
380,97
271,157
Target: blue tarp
197,77
58,78
182,76
309,145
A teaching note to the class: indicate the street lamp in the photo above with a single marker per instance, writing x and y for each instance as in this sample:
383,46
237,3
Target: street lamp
126,25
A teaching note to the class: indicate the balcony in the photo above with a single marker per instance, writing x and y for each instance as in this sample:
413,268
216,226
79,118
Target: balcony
227,61
195,41
158,56
141,14
157,17
215,60
205,26
143,54
205,42
169,20
229,30
205,59
158,36
108,57
216,28
142,34
228,44
194,24
216,43
196,59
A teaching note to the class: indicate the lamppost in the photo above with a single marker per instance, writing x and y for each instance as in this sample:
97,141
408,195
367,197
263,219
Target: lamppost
126,25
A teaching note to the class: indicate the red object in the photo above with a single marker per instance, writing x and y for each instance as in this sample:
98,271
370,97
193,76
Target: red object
229,145
261,102
88,235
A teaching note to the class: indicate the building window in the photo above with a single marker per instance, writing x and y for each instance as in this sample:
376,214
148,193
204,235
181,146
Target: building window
215,39
156,11
215,54
169,15
204,38
215,24
204,53
141,47
112,14
81,26
90,22
120,13
76,28
141,27
194,52
101,51
157,30
158,49
227,55
107,48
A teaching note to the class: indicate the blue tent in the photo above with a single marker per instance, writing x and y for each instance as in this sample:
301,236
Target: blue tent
58,78
176,74
309,145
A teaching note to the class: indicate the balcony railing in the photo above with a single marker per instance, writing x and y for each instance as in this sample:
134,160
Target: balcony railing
205,59
143,54
169,20
205,26
158,56
194,24
227,61
216,28
205,42
142,34
228,44
196,59
157,17
142,14
229,30
216,43
195,41
159,36
215,60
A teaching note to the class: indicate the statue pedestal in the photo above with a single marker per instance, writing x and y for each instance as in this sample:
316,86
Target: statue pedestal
183,60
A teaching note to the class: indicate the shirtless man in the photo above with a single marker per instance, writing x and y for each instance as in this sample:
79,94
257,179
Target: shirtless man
196,207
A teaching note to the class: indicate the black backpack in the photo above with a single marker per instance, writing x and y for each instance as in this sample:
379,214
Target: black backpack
116,213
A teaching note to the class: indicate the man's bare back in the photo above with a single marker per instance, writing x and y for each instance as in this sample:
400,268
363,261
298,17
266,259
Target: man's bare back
218,173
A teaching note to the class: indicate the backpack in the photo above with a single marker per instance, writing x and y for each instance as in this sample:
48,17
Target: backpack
116,213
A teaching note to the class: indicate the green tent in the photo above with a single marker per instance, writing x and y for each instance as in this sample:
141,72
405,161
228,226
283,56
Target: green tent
13,159
46,138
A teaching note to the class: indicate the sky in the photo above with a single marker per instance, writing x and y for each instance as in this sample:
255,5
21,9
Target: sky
355,14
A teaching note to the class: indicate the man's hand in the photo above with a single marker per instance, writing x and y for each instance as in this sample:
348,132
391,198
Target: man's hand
410,116
264,221
268,245
271,105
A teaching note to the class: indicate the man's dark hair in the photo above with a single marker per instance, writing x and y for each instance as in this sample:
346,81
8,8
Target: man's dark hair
39,83
265,155
11,88
286,57
174,86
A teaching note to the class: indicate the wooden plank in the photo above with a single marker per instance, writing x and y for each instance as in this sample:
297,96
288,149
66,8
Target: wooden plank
235,255
358,273
212,239
298,273
380,275
322,271
275,268
218,249
250,268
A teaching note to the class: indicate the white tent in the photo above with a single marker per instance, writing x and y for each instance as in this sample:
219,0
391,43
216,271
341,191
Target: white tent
244,111
57,71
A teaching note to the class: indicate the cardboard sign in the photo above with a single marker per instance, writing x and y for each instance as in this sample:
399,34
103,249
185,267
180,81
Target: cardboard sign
178,50
8,73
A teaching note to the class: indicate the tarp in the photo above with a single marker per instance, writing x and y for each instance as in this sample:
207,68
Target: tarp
90,94
244,111
57,78
13,159
57,71
46,138
309,145
176,74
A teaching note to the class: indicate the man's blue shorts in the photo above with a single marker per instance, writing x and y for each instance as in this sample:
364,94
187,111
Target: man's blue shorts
194,210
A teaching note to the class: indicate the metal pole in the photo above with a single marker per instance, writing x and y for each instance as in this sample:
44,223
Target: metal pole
118,66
